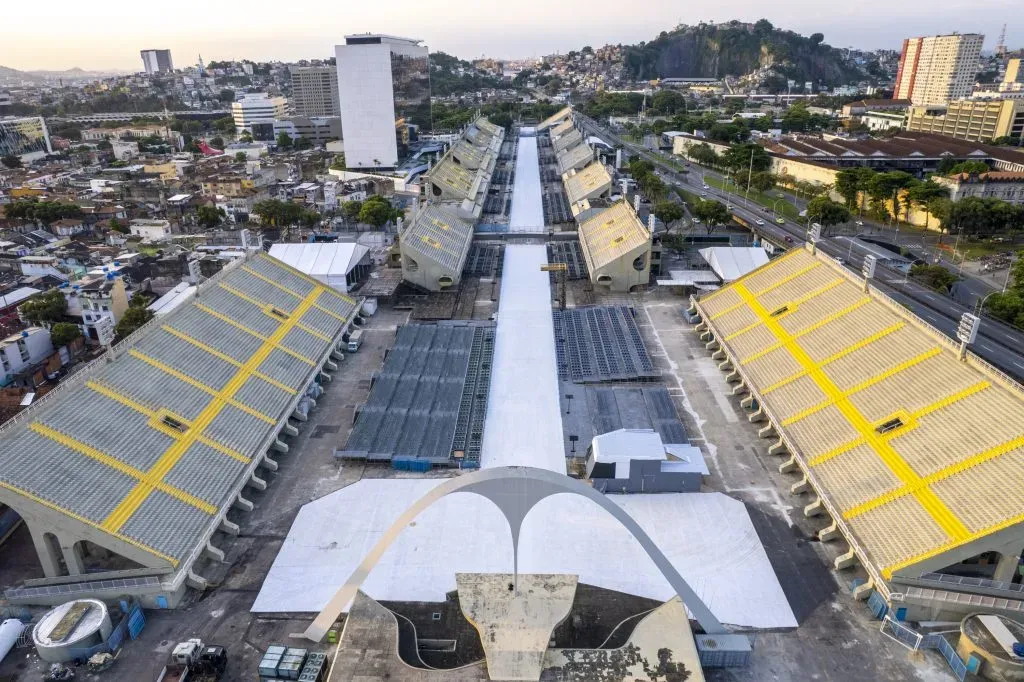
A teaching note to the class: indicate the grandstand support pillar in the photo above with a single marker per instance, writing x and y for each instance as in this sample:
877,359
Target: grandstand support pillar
718,355
1007,566
847,560
298,416
733,376
701,327
726,366
864,590
747,402
269,464
256,482
767,431
289,430
73,558
829,533
336,354
243,504
47,554
757,416
800,486
712,344
196,581
214,552
229,527
280,445
777,448
815,508
707,336
788,466
326,378
331,366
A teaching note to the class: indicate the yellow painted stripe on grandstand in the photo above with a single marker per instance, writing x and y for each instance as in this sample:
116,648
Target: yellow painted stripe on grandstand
835,452
743,331
868,383
224,318
793,305
764,268
828,319
226,358
170,457
950,399
142,477
81,519
142,409
841,354
928,500
309,330
167,369
289,291
264,307
728,310
319,286
787,279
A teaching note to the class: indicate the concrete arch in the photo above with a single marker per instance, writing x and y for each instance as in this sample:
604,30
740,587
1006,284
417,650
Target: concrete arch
515,491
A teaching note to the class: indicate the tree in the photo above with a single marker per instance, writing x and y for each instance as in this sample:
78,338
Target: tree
224,125
923,195
45,308
133,318
668,212
117,226
934,276
886,187
217,142
11,161
226,95
969,167
240,157
712,213
284,140
848,185
350,210
704,155
639,167
210,216
303,143
827,213
376,211
740,158
762,181
816,38
63,333
245,137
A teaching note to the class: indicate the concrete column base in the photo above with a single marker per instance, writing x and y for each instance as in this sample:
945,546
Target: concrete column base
256,482
755,417
269,464
788,466
718,355
229,527
739,388
214,552
712,344
196,582
777,448
766,431
330,366
829,533
280,445
815,508
289,430
747,402
726,366
1007,566
298,416
800,486
325,378
863,591
243,504
845,561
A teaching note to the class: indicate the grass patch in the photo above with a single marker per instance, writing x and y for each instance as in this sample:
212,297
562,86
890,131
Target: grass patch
787,209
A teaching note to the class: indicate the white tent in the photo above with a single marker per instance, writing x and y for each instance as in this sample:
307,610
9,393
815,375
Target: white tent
732,262
328,263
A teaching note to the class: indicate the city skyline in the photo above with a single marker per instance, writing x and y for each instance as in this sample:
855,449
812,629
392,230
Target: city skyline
91,41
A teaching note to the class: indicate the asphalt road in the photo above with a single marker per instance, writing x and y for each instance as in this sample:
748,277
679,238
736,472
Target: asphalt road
997,343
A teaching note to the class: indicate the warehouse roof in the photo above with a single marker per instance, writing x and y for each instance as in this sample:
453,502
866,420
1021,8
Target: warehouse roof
611,234
916,451
149,447
440,235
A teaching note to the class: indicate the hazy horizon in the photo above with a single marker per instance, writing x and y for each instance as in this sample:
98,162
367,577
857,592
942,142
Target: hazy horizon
112,38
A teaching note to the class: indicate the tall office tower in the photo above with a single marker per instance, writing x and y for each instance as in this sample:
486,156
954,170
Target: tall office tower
157,61
383,88
937,69
315,91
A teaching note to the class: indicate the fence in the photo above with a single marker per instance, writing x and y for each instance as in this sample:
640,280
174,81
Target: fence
902,634
937,641
130,626
877,604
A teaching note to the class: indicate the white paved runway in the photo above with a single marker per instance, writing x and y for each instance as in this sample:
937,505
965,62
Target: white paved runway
527,213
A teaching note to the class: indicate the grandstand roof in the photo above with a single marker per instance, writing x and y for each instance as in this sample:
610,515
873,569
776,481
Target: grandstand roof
440,235
488,127
469,155
914,452
574,157
450,176
569,139
555,118
150,447
562,128
611,234
588,183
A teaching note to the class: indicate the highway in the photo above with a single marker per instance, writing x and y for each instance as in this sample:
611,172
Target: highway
997,344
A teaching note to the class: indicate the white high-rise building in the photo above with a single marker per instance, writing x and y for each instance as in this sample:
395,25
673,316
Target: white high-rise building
257,107
157,61
384,92
937,69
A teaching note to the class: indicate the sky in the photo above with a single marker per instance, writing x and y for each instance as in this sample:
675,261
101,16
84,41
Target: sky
109,34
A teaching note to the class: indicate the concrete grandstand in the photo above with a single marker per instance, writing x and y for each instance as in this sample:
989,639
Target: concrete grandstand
914,453
617,247
141,454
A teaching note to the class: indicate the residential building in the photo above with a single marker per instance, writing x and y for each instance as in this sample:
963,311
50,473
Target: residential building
27,138
99,297
937,69
383,87
992,185
865,105
69,227
157,61
23,350
318,130
258,108
315,91
153,230
974,120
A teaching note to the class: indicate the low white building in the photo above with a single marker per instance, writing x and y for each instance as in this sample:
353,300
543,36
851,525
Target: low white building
257,107
152,230
338,265
1000,185
883,120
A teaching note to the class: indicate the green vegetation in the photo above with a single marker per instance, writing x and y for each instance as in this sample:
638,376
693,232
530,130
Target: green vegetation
210,216
712,213
11,161
378,211
42,211
453,76
284,213
136,316
45,308
934,277
284,140
240,157
1009,306
63,333
827,213
977,216
669,212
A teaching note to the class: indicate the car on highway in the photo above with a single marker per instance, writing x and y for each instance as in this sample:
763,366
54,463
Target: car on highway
728,207
859,223
780,220
789,240
759,221
705,187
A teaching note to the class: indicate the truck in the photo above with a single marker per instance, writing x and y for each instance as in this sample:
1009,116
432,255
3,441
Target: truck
193,661
355,340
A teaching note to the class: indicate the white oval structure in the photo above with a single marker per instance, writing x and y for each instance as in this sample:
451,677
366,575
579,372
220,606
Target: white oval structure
65,631
10,631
